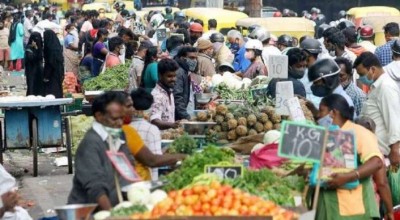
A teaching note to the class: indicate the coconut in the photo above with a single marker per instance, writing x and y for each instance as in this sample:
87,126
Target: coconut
268,126
232,124
217,128
224,126
276,119
259,127
229,116
277,126
242,121
219,119
202,116
251,120
252,132
232,135
262,117
222,109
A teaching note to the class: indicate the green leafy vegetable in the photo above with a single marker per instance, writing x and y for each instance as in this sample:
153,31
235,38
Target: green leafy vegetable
194,165
184,145
269,186
113,78
124,212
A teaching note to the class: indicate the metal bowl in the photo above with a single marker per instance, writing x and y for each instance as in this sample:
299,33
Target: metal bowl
197,128
203,98
75,211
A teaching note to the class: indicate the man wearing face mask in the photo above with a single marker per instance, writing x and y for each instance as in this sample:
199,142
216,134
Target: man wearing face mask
237,47
382,105
187,61
94,174
297,64
285,43
324,75
346,80
204,58
115,45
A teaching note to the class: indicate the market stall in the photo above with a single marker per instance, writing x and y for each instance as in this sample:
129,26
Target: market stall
32,123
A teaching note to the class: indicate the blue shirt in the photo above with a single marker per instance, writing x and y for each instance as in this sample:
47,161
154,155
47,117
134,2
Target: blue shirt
384,53
357,95
340,91
241,63
69,39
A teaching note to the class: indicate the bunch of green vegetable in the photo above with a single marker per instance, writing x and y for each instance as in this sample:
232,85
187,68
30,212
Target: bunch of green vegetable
194,165
128,211
227,93
269,186
113,78
183,145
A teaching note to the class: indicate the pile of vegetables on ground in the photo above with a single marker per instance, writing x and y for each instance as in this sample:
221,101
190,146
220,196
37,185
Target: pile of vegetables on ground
79,126
112,78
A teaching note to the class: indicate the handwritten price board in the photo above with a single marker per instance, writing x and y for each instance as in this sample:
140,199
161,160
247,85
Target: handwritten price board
161,34
123,166
284,91
301,141
278,66
225,171
295,111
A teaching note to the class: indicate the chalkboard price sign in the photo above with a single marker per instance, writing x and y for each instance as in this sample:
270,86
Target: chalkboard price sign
301,141
123,166
225,171
161,34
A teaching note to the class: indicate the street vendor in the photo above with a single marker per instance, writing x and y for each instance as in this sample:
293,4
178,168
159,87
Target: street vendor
336,202
94,174
162,111
141,137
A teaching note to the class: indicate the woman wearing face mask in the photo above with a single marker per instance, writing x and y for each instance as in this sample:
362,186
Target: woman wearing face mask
253,53
115,45
336,202
297,65
71,48
150,70
99,51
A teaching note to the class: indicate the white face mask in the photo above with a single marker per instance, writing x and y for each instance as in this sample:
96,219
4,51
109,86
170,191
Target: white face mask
325,121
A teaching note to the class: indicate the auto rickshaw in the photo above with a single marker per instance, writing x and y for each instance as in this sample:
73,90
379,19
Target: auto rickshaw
226,19
295,27
357,14
377,23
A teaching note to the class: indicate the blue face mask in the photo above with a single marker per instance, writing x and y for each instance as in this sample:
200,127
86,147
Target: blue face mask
234,48
364,80
325,121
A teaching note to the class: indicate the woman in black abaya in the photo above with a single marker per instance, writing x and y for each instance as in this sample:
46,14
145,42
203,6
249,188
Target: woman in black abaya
53,64
34,65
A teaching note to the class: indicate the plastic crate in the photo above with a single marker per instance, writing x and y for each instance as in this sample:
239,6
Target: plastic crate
76,105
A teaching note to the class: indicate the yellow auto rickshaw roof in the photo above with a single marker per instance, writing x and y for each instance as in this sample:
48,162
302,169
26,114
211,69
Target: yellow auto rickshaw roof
96,6
286,24
378,22
218,14
359,12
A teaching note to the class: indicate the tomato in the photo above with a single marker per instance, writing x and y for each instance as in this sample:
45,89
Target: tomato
198,189
205,207
197,206
205,198
233,212
212,193
190,200
227,202
187,192
179,200
243,210
236,204
215,185
172,194
170,213
214,208
217,201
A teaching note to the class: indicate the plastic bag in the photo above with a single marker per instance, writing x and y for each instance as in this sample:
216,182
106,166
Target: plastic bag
266,156
394,184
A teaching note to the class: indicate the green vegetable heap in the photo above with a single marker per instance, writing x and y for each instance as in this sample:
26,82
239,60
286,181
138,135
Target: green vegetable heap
113,78
123,212
269,186
194,165
183,145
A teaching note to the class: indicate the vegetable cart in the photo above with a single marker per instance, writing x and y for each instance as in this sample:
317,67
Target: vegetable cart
30,124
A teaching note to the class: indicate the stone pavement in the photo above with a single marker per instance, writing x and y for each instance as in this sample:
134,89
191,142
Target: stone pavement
39,194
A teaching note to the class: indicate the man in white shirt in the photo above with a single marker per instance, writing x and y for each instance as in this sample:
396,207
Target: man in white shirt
382,105
212,28
367,36
28,25
47,24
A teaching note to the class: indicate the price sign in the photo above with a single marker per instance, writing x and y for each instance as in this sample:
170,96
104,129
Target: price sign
123,166
284,91
295,111
278,66
161,34
301,141
179,35
225,171
259,93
